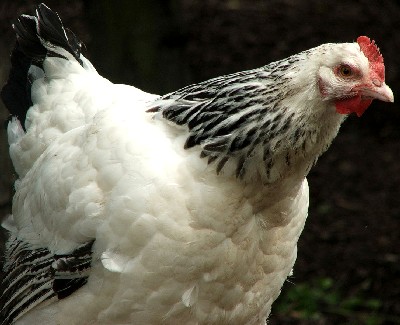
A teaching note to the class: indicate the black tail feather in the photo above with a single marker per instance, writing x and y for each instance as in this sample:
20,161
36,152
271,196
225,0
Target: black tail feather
16,93
36,35
51,29
27,38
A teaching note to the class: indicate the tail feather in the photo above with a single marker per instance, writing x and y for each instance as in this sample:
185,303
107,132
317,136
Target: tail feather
16,93
37,37
51,32
27,39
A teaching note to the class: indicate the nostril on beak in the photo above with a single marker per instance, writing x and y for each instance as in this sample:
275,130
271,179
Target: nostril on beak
376,82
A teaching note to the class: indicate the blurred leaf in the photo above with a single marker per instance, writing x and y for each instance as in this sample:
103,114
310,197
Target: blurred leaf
309,301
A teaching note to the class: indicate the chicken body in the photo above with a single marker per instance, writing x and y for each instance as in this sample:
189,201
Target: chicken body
194,201
164,252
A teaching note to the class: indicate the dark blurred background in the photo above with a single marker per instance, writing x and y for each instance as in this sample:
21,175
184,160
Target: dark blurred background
348,266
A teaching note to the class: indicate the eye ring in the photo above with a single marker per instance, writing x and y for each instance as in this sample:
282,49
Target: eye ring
345,71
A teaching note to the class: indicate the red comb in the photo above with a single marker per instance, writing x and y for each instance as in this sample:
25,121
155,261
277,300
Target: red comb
371,51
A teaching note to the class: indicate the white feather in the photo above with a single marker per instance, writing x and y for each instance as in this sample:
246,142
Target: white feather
189,297
14,131
8,223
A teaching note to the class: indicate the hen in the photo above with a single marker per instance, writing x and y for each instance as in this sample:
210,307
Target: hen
132,208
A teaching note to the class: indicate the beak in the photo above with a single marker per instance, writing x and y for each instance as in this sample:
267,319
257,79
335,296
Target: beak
381,92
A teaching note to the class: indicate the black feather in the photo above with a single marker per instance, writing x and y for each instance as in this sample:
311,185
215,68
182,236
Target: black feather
28,40
16,93
221,164
51,29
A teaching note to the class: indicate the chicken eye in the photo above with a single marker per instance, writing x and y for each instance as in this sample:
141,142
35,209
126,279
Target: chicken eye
345,71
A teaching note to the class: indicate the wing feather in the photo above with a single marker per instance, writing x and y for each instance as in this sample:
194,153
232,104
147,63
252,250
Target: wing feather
35,275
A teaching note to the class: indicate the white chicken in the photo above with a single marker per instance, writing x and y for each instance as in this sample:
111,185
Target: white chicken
132,208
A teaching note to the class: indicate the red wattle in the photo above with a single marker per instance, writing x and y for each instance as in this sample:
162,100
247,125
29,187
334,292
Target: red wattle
352,105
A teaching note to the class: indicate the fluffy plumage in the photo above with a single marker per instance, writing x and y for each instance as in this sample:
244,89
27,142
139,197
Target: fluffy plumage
131,208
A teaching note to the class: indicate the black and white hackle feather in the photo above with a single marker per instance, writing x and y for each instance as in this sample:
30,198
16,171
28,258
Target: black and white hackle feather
233,117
